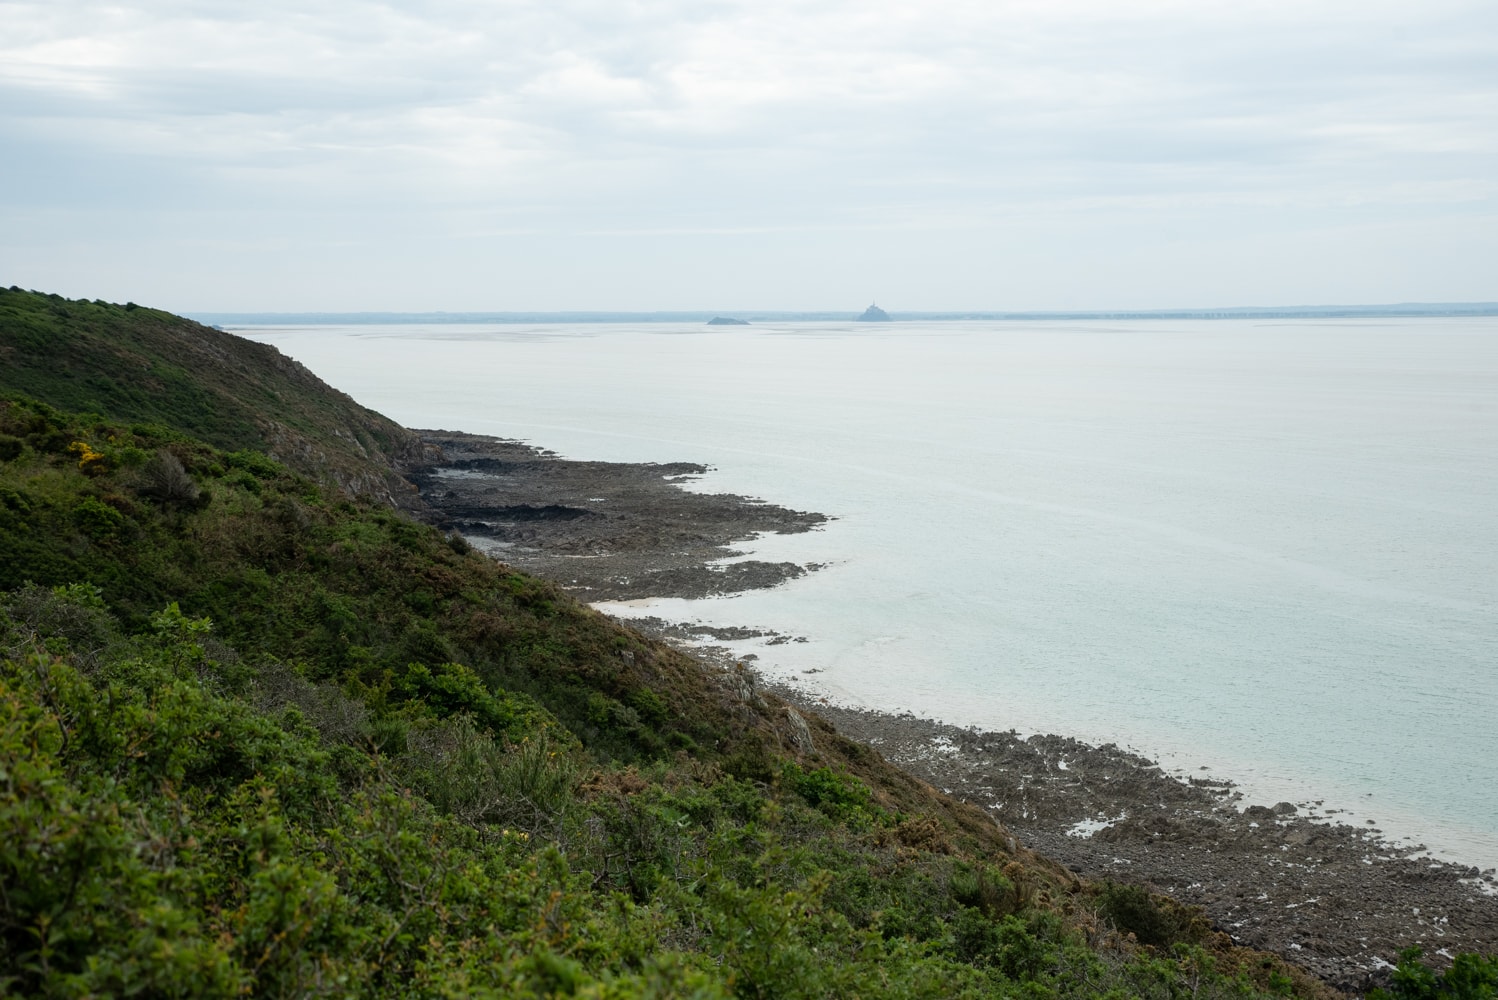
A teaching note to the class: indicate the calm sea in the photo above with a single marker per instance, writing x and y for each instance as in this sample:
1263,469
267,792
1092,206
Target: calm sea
1267,548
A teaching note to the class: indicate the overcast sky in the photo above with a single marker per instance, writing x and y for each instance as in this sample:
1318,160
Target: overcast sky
716,154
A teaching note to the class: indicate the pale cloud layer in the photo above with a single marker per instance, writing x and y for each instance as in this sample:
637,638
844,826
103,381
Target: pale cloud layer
516,155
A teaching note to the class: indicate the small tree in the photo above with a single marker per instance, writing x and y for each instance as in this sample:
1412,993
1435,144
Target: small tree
164,478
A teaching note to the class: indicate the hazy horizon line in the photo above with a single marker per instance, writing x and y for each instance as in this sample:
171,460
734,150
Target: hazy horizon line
383,317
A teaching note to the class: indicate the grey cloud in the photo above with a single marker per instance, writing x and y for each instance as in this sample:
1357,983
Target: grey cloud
734,117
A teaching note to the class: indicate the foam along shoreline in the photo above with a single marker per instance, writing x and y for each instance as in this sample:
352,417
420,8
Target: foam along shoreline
1339,899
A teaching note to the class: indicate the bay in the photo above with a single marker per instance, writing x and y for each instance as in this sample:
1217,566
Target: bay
1266,548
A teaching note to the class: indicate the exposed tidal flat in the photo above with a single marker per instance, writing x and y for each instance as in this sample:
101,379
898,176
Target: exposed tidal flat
1262,547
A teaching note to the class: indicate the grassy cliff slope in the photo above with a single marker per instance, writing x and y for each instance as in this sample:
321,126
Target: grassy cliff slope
259,735
135,364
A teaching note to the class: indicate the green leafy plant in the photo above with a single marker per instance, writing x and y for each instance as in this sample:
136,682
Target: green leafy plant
290,743
98,520
1470,977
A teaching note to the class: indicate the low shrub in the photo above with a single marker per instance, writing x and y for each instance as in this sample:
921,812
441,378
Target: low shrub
1153,920
97,520
1471,977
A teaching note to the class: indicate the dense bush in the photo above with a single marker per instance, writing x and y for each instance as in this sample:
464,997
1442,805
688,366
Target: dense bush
285,743
1153,920
1471,977
160,834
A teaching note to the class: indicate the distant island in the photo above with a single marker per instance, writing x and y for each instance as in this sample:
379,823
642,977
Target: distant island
727,321
232,320
380,740
873,314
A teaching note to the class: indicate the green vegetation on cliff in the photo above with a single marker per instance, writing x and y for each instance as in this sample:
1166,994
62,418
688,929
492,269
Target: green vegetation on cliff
261,736
136,365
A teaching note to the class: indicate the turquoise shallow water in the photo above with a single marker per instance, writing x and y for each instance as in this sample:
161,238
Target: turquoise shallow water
1266,548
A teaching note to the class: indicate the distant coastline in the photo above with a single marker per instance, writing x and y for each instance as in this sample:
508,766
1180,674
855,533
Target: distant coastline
1385,311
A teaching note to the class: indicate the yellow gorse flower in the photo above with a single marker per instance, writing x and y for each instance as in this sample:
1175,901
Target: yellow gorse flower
91,462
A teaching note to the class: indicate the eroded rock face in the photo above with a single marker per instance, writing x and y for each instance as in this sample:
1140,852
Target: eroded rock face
603,530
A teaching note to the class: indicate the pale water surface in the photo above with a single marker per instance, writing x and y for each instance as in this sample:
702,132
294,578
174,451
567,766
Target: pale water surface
1270,548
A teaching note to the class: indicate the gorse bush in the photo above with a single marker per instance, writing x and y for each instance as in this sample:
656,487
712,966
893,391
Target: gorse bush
1151,919
285,743
144,367
465,772
840,796
158,836
98,520
1471,977
94,463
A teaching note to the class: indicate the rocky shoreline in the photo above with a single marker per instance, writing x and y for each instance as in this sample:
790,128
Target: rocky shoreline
1285,877
608,531
1338,900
